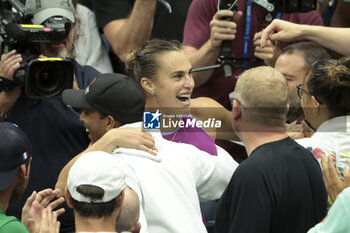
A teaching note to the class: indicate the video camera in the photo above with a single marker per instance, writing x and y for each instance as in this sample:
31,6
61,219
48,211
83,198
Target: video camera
227,59
287,6
41,77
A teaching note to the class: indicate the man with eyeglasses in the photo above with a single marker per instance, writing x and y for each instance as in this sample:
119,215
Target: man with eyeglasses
301,91
279,187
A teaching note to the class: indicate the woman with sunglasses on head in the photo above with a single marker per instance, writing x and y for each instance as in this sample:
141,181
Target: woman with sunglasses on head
325,99
163,70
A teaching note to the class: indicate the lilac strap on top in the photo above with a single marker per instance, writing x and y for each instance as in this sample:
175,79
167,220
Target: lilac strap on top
193,135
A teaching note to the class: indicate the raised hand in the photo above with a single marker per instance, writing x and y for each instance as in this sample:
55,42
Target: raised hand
9,63
280,30
334,185
221,30
33,208
266,53
49,223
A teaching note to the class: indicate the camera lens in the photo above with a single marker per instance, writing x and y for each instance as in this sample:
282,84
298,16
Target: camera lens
47,80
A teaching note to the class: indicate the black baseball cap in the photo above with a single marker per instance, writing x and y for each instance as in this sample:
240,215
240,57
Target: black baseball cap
113,94
15,149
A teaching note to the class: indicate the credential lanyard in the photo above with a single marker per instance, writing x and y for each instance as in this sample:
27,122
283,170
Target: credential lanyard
247,28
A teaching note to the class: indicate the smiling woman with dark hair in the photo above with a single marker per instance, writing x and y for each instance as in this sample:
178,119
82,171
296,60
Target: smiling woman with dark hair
163,70
325,99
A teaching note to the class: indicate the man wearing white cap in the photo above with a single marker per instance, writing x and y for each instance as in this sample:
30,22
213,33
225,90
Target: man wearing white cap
95,189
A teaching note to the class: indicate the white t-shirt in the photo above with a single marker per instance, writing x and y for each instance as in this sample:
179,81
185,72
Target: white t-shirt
171,184
333,139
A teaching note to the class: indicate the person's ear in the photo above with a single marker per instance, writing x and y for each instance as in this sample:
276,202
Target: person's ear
287,110
22,172
237,110
111,123
136,228
148,86
24,169
68,198
316,105
120,198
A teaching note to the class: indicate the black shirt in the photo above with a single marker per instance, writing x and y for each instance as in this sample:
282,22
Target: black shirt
279,188
166,25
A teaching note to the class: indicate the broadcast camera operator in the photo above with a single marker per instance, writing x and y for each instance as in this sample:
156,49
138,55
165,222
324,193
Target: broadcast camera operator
54,129
206,29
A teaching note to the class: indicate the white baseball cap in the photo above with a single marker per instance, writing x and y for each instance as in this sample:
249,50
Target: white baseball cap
99,169
44,9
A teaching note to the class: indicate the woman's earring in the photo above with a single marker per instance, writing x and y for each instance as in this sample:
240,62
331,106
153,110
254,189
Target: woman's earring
153,92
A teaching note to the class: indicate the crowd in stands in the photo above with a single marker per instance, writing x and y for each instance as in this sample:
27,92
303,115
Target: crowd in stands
153,136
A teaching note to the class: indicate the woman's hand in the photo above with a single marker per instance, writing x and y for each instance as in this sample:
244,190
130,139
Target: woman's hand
334,185
266,53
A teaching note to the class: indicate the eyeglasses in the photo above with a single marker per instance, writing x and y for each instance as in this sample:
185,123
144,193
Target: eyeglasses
232,97
301,91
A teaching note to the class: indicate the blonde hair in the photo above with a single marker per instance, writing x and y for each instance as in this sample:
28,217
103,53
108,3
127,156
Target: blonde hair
263,93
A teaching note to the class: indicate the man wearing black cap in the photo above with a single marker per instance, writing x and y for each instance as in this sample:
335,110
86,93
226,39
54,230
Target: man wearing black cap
95,100
105,105
100,113
15,151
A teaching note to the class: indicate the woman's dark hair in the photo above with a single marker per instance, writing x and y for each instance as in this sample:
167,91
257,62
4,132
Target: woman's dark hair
329,82
142,62
97,210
